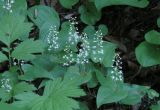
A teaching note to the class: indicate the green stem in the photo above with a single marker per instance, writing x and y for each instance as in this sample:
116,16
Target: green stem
9,55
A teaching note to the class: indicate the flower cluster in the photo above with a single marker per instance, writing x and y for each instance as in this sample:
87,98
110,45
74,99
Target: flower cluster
68,57
82,56
97,46
117,74
52,38
8,4
73,35
5,84
87,46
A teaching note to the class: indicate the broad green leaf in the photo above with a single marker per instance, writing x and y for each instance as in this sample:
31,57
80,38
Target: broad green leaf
43,14
135,3
4,96
58,71
135,93
26,49
93,82
83,106
148,54
153,37
68,3
26,98
155,106
33,72
74,72
19,6
89,14
45,30
12,77
23,87
101,78
14,28
109,53
3,57
56,93
91,31
44,61
5,106
103,29
107,95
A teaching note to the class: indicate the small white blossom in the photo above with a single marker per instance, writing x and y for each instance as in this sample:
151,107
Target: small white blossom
7,4
68,57
52,38
82,56
87,47
73,32
5,84
116,74
97,46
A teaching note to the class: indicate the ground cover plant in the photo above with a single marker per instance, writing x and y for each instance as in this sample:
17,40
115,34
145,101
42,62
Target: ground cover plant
79,54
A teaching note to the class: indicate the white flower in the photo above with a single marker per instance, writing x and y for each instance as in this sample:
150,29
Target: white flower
116,74
5,84
52,38
7,4
73,32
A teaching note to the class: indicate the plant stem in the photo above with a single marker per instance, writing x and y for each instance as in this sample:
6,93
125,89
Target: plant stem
9,55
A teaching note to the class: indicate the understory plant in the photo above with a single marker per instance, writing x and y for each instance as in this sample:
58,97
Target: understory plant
50,70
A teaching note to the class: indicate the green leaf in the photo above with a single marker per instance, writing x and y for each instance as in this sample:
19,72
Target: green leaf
89,14
135,93
33,72
103,29
90,31
156,106
14,28
109,53
101,78
4,106
25,99
19,6
135,3
12,76
43,14
153,37
68,3
56,93
4,96
107,95
26,49
44,61
93,82
74,72
3,57
148,54
83,106
23,87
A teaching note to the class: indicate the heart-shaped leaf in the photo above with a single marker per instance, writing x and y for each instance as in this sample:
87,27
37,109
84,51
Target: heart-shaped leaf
148,54
89,14
153,37
135,3
68,3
